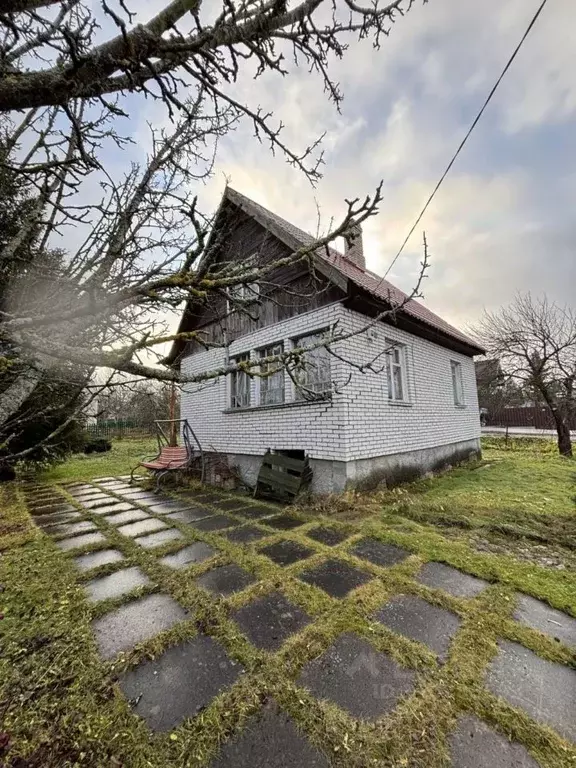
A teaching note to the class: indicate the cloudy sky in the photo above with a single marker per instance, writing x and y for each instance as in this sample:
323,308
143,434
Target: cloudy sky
504,219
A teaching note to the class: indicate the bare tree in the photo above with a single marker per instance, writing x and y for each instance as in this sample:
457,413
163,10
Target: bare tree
535,340
185,43
135,243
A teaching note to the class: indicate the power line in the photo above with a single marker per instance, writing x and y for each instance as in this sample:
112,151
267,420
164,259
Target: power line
467,136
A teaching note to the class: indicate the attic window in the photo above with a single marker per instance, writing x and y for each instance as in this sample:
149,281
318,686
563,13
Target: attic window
242,294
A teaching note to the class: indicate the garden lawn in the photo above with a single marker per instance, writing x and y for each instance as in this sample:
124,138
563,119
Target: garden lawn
517,494
61,703
123,457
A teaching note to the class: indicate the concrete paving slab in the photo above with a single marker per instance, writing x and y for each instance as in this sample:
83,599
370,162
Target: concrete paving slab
96,559
113,508
203,497
215,523
115,584
191,555
225,580
539,615
136,494
44,501
151,500
52,509
335,577
286,552
190,515
358,678
78,542
165,507
255,511
328,536
473,744
545,690
269,621
44,521
141,527
180,683
93,502
419,620
82,487
135,622
130,516
229,505
246,534
379,552
70,529
158,538
270,740
451,580
283,522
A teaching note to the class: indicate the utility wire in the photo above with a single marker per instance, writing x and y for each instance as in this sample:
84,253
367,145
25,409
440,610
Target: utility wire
467,136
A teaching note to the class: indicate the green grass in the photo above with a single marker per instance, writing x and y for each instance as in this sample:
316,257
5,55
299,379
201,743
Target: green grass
61,706
123,457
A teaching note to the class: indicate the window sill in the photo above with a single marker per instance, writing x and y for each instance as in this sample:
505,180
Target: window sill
400,403
278,406
461,407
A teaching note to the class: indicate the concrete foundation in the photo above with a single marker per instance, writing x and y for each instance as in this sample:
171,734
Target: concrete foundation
367,474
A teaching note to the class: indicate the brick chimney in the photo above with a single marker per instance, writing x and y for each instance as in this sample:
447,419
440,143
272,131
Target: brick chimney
353,249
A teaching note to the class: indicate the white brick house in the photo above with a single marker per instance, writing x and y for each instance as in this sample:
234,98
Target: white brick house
417,411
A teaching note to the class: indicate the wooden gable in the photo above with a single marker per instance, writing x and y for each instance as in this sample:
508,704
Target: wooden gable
283,293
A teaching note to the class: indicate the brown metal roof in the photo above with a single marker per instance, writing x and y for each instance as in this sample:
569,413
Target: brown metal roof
374,285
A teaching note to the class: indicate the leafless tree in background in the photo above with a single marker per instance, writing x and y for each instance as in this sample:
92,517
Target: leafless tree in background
535,341
63,84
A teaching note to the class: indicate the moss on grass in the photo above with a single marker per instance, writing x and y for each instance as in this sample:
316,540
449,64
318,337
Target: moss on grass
62,707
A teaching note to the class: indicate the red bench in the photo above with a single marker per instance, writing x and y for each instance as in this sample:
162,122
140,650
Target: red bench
172,458
169,458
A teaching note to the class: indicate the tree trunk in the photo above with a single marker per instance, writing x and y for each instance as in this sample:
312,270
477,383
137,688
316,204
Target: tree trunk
563,431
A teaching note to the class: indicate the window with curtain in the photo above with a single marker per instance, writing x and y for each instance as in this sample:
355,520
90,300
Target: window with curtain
240,385
271,383
313,375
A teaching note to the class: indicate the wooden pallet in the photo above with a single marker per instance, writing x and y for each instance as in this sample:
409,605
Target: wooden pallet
282,477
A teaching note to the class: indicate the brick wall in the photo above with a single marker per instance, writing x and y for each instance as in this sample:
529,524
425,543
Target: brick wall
376,426
359,421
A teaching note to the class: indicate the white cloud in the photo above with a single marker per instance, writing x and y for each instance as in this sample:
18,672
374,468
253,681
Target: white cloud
491,228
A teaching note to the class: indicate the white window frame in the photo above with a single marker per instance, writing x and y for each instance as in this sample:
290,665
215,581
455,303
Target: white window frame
240,380
314,388
271,389
457,383
397,372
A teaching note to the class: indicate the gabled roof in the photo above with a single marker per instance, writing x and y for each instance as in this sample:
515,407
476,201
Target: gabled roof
378,287
340,270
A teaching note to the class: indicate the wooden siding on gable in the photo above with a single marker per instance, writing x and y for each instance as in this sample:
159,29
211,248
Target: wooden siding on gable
284,293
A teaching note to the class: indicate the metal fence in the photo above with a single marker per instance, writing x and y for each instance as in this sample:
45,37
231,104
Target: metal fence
118,428
536,417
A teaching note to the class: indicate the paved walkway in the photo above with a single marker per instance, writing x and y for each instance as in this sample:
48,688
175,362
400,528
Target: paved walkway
203,544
